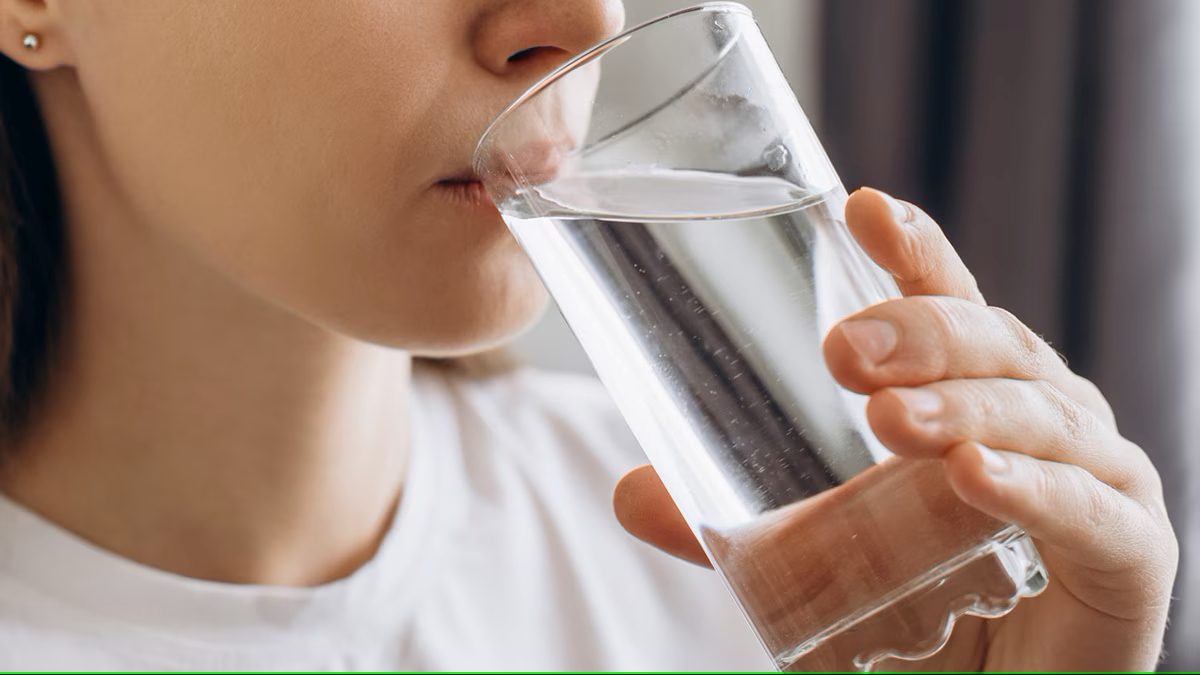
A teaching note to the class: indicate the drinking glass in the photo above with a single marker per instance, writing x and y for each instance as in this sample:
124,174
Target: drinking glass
678,206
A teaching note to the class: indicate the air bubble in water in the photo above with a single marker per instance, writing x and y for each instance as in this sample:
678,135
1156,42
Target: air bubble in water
775,157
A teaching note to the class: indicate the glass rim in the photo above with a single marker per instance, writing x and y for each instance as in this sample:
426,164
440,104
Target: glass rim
591,53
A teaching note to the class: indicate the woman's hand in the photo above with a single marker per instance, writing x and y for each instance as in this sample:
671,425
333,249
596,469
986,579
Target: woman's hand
1021,438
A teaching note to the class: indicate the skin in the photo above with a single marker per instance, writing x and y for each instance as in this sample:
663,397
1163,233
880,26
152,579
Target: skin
263,217
266,213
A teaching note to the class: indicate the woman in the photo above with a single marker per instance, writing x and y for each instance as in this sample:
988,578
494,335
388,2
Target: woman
246,219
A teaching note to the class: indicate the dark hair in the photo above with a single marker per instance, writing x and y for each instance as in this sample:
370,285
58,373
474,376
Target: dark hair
32,252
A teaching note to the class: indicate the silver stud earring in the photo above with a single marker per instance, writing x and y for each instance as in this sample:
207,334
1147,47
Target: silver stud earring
31,41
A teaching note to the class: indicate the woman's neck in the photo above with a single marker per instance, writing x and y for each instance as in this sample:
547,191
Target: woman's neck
191,427
184,434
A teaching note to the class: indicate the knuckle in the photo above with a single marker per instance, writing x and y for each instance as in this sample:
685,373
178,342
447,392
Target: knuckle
1043,485
940,316
1096,501
1140,475
1077,424
931,326
1092,502
1171,543
974,400
922,243
1091,396
970,281
931,256
1029,349
1159,543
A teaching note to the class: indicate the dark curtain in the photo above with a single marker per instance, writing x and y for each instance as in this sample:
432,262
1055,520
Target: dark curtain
1055,142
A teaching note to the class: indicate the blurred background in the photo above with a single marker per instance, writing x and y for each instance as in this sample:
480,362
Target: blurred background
1058,144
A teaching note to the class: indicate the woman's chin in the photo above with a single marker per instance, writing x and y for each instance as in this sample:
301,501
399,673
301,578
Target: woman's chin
459,326
496,328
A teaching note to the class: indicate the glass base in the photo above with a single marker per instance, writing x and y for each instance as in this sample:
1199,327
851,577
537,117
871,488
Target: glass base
916,620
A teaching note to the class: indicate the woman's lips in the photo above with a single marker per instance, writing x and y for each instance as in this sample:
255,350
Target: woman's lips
465,189
539,161
532,163
535,162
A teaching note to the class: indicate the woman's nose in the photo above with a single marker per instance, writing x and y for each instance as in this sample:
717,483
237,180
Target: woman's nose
529,37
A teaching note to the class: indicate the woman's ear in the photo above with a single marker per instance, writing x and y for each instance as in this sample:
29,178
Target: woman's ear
32,34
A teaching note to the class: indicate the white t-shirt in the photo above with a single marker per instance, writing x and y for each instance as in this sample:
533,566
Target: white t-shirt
503,555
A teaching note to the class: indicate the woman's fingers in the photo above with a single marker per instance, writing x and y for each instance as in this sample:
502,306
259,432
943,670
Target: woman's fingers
1063,505
914,341
646,511
1028,416
906,242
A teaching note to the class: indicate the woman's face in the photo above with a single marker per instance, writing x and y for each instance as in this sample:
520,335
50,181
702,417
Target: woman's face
315,151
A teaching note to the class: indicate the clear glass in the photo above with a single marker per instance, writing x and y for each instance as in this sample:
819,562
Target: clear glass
678,206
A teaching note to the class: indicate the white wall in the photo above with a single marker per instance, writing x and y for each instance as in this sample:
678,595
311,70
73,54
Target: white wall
790,28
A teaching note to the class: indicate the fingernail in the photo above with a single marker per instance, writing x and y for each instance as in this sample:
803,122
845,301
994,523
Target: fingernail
923,405
993,462
901,212
873,339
